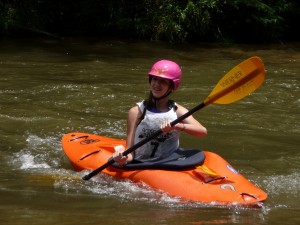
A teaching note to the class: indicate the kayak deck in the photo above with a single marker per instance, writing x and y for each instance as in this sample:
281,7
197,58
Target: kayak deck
215,181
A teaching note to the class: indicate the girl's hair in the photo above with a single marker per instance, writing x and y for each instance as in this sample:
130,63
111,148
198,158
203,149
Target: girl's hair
149,104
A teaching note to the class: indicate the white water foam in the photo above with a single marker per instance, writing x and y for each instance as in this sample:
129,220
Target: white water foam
108,187
28,162
283,184
39,153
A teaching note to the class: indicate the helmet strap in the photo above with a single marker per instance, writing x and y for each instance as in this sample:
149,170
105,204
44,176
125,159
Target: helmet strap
165,95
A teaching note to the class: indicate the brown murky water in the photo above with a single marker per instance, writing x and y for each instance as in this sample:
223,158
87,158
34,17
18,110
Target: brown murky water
50,87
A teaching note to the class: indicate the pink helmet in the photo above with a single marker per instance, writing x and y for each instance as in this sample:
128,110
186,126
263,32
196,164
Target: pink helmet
167,69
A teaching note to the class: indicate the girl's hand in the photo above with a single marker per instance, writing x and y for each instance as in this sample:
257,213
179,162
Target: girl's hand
166,127
119,158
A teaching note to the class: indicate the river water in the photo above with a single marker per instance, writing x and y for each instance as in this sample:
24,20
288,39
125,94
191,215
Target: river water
52,87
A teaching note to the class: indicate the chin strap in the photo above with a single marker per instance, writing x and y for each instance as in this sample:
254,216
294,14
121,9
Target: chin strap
165,95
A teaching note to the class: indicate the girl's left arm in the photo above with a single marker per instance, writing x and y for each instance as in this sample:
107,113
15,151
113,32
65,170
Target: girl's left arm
189,125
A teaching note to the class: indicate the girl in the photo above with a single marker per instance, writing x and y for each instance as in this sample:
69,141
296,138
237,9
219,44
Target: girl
157,112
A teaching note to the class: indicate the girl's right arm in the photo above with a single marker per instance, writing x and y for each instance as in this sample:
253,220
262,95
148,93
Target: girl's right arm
132,121
132,118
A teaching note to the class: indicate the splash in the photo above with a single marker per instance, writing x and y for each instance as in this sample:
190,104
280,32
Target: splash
27,161
283,184
39,153
105,186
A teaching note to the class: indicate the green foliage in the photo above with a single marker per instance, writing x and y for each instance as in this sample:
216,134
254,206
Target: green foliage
6,16
175,21
252,20
170,20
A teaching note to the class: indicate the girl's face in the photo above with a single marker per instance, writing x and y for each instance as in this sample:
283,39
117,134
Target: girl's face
159,86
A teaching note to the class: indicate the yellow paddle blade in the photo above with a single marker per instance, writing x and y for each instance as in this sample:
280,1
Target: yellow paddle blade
238,82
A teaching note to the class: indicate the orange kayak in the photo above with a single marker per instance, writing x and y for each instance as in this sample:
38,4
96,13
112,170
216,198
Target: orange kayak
213,181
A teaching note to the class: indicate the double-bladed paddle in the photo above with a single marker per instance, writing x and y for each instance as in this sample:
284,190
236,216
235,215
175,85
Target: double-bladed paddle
239,82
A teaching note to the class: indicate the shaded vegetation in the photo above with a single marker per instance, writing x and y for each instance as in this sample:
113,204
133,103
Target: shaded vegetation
245,21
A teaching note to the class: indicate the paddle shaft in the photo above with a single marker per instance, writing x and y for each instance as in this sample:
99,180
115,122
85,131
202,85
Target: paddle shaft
144,141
